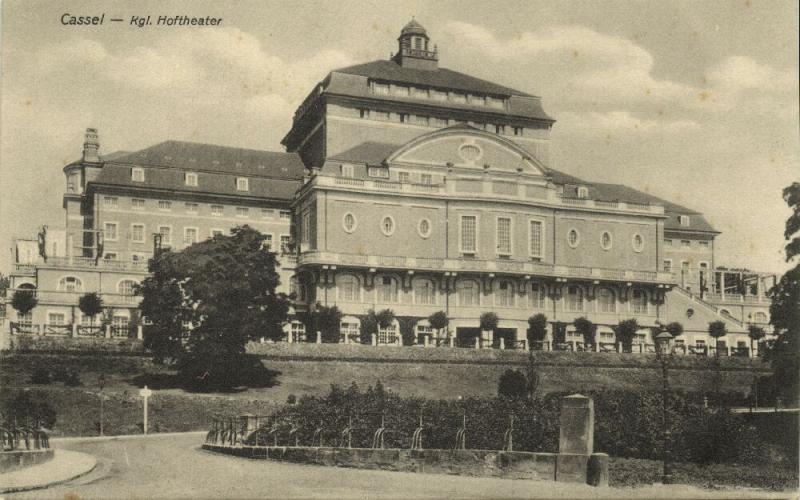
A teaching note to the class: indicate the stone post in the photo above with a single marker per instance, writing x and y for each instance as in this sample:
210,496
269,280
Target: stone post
452,340
374,339
289,336
576,462
426,340
140,333
477,342
502,343
319,337
74,330
108,331
525,346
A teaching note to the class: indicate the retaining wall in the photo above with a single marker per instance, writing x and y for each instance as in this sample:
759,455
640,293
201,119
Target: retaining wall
17,459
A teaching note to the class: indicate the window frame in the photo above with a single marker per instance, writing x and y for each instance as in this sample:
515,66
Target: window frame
577,237
344,222
542,246
190,179
477,292
105,230
424,234
164,226
164,205
356,296
461,249
135,206
144,228
392,229
347,170
137,174
196,235
610,240
242,184
217,213
637,248
498,250
415,296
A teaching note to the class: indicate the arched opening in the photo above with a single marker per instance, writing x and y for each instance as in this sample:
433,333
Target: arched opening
505,294
536,296
574,299
387,290
348,288
349,330
70,284
468,293
639,301
606,301
424,292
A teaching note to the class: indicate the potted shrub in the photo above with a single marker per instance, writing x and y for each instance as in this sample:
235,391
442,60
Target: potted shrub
488,322
625,332
24,301
438,322
717,330
537,328
755,333
90,305
587,330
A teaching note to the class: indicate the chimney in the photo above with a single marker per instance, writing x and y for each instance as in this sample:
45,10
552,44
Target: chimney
91,146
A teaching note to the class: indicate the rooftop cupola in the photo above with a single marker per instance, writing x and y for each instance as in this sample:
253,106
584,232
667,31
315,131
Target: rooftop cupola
413,50
91,146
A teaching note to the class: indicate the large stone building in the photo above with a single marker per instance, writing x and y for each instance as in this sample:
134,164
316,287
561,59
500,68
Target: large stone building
410,187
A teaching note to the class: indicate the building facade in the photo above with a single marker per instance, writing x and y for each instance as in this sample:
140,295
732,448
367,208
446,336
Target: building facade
410,187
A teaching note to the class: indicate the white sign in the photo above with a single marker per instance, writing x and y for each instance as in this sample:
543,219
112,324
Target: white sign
145,393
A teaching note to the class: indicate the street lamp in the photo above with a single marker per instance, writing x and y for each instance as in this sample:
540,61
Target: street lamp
101,382
664,355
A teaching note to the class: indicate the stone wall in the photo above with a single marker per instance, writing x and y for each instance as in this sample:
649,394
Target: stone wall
17,459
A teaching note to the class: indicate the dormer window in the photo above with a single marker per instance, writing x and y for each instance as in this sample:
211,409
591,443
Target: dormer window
347,170
137,174
683,220
583,192
380,88
242,184
190,178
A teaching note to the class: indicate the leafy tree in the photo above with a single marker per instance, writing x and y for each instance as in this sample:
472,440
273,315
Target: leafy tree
717,330
489,321
438,321
512,385
755,333
385,318
225,287
784,351
369,325
5,282
587,329
90,304
537,328
326,320
625,332
28,407
24,301
675,329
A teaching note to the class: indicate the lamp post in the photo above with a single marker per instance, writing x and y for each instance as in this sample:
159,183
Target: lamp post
101,382
664,355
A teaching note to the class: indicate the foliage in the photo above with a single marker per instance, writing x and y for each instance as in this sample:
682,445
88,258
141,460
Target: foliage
512,384
226,289
675,329
26,408
489,321
41,376
791,195
559,332
369,325
5,282
324,319
24,301
586,329
438,321
407,333
537,328
717,329
755,333
385,318
90,304
625,332
533,374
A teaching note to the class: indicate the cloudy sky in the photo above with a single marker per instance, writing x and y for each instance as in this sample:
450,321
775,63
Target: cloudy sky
692,101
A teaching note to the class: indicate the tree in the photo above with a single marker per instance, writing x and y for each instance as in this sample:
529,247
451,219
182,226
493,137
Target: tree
559,332
90,304
28,407
438,321
489,321
587,329
783,351
369,326
5,282
675,329
226,289
537,328
23,301
625,332
717,330
512,385
326,320
755,333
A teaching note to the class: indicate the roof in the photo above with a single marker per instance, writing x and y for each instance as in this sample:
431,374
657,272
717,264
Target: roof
373,153
200,157
440,77
414,28
272,175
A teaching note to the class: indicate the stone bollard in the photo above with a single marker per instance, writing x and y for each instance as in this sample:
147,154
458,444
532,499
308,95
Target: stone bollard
477,342
426,340
319,337
502,343
140,333
108,331
452,341
374,339
74,330
525,346
576,462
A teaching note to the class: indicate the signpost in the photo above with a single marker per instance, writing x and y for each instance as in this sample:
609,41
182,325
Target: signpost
145,393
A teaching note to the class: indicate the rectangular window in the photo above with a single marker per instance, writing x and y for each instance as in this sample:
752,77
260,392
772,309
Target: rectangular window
166,234
469,226
347,170
703,244
137,174
458,97
137,203
216,210
242,211
667,266
110,201
190,178
503,236
400,90
499,129
268,242
267,213
110,256
536,242
242,184
137,233
285,241
426,179
306,227
110,231
189,235
518,130
439,122
56,319
380,172
419,93
164,205
420,120
404,177
494,102
686,243
439,95
684,220
380,88
192,208
286,215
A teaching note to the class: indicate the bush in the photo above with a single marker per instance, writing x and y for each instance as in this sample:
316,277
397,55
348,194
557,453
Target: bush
23,301
28,408
625,332
586,329
537,328
489,321
41,376
675,329
438,321
512,384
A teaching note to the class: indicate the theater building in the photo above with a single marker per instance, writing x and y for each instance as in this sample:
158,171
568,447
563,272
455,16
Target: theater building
410,187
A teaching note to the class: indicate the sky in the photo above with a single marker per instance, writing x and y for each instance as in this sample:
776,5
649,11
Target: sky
696,102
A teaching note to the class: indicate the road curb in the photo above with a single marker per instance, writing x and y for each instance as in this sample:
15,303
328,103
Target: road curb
60,456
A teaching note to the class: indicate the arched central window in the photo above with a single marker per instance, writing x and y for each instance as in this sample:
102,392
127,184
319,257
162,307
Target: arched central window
348,288
639,301
468,292
574,299
505,294
536,296
424,292
70,284
606,301
126,287
760,317
387,289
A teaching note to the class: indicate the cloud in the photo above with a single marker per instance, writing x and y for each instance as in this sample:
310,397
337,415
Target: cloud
621,121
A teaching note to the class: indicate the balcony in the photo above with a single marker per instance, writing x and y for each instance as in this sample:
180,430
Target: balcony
479,266
89,263
484,189
59,297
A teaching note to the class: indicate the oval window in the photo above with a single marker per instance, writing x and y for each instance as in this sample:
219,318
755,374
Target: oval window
605,240
387,225
638,242
573,238
424,228
349,222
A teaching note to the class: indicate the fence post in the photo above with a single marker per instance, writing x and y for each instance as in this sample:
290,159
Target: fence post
108,331
374,339
525,346
619,347
452,341
74,330
426,340
477,342
140,333
319,337
41,329
502,343
289,336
